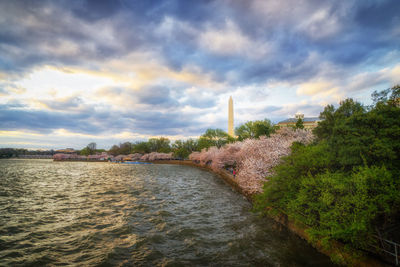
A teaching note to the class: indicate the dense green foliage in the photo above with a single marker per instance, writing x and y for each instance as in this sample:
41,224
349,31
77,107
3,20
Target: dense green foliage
299,124
141,147
161,145
254,129
85,151
214,137
121,149
345,186
89,149
180,148
16,152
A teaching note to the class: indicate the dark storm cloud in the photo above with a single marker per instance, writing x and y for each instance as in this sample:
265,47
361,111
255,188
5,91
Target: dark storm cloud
156,96
133,23
29,27
148,97
92,10
304,37
43,121
153,122
64,104
38,32
378,14
201,102
351,44
154,11
16,116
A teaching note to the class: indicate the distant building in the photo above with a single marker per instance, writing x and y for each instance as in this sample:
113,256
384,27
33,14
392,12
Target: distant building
308,122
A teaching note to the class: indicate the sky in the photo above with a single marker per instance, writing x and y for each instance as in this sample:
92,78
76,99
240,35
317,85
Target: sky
75,72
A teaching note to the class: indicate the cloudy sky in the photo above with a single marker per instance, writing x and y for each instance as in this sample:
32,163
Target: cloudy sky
73,72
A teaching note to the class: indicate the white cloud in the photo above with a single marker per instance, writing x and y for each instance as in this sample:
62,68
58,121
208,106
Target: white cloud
395,75
169,27
62,82
320,24
316,19
332,87
226,40
230,40
314,87
62,47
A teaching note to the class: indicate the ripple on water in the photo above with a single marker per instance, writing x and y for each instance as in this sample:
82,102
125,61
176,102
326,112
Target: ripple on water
100,214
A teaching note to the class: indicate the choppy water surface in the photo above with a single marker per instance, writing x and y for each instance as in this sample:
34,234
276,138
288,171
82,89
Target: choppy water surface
91,214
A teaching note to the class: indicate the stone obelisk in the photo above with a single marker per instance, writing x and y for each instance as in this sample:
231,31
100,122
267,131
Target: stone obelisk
230,118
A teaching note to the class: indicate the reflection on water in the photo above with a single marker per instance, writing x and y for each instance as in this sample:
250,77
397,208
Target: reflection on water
76,213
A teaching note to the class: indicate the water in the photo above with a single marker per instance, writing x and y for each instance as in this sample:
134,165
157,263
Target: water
104,214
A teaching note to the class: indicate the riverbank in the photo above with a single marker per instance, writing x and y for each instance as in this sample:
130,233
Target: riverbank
338,252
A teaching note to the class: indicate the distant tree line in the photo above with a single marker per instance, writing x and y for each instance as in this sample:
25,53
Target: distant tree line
180,148
16,152
183,148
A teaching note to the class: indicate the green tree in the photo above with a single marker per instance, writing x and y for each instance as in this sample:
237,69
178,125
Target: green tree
355,135
85,151
114,150
90,149
254,129
182,149
346,206
159,145
12,152
326,125
390,96
125,148
181,153
299,124
191,144
214,137
332,118
141,147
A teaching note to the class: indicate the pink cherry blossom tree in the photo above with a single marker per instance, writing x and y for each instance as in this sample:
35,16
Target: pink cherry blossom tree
253,159
157,156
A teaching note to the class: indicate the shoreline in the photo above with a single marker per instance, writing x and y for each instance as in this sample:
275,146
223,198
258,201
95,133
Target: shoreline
337,251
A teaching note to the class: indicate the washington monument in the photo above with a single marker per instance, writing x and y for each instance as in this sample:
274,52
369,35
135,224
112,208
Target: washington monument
230,118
